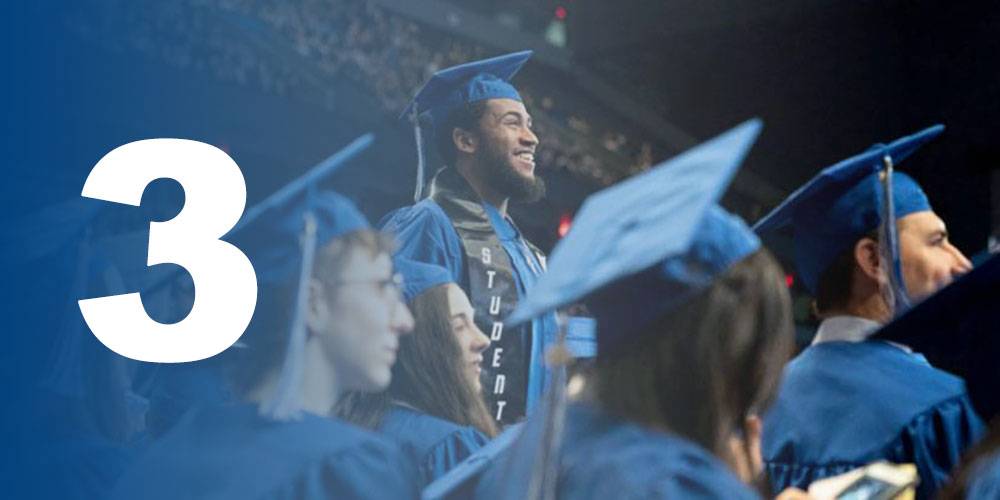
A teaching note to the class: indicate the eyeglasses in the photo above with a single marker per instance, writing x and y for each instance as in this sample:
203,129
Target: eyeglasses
391,285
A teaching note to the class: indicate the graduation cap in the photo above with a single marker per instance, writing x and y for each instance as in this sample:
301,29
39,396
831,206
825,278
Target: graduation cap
280,235
647,244
846,201
636,250
453,87
958,330
418,277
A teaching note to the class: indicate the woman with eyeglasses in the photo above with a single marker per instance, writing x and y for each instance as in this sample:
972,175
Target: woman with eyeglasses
434,406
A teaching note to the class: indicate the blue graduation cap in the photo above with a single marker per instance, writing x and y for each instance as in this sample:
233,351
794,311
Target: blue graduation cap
280,235
418,276
457,86
958,330
848,200
647,244
636,250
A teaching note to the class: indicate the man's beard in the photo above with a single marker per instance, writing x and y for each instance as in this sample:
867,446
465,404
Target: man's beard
501,176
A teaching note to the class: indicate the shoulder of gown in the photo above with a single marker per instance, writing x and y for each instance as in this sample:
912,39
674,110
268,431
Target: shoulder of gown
229,451
605,457
876,402
425,233
435,445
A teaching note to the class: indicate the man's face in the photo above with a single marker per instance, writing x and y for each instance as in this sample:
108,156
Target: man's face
360,321
929,260
507,150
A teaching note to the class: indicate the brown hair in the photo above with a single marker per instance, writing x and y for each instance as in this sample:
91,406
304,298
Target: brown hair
699,370
266,338
833,289
428,375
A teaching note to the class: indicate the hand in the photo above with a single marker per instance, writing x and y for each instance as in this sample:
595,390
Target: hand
744,450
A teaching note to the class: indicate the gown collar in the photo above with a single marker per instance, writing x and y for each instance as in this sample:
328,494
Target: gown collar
845,329
849,329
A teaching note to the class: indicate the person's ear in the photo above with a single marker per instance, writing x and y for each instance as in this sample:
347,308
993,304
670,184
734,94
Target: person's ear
464,140
866,257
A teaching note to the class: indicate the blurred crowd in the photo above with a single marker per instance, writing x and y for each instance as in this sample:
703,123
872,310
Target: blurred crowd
285,47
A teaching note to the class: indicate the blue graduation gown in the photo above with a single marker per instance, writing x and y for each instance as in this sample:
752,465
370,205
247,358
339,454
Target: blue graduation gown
843,405
426,234
461,481
606,457
985,480
435,445
229,451
83,468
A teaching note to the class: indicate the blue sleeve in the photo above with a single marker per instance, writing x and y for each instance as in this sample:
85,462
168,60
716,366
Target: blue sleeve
82,469
451,451
425,234
937,439
934,442
985,480
462,480
787,475
369,472
680,477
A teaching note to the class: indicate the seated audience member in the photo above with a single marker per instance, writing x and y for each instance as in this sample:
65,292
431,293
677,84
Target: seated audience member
875,400
694,326
434,406
328,320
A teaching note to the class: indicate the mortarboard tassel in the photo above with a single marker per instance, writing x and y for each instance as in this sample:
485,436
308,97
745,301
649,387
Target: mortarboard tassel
895,293
418,137
286,402
543,483
535,454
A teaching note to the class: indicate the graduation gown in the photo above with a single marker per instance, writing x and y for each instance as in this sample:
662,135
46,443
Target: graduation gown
606,457
231,452
435,445
843,405
489,258
83,468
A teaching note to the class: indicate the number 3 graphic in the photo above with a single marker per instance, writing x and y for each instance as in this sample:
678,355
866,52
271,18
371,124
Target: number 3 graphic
224,280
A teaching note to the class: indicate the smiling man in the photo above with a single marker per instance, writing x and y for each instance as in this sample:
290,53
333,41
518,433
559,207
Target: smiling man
483,133
848,400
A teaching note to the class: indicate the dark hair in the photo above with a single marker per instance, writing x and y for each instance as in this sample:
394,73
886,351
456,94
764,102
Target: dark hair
428,375
266,338
464,117
833,289
700,370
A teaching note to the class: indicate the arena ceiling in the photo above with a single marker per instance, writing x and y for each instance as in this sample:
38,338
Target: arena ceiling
828,78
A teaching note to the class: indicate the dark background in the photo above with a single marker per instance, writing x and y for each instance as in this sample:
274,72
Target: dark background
283,85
